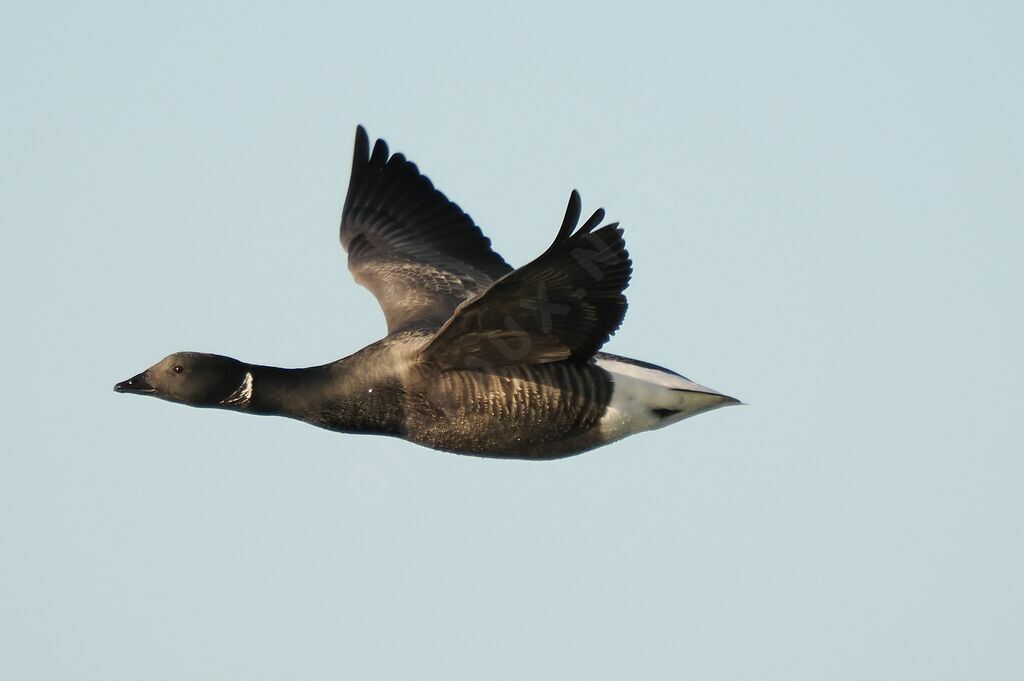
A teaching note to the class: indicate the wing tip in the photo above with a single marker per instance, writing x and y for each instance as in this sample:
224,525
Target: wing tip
573,211
571,218
362,144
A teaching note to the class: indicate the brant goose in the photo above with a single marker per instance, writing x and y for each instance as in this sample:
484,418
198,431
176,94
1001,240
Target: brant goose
480,358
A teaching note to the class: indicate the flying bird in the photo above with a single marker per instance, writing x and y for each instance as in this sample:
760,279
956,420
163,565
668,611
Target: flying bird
479,358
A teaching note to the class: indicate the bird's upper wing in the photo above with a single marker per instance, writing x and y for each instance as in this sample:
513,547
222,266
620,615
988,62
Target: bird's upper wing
563,305
415,250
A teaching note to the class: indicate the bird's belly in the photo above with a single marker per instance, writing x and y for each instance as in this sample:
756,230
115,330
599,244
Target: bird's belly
497,439
536,412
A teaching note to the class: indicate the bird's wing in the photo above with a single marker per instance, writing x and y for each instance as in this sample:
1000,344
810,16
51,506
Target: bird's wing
415,250
563,305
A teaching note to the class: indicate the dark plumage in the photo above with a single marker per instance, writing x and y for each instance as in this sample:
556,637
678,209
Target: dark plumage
479,358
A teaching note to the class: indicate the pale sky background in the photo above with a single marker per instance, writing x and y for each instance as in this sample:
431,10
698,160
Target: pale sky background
824,208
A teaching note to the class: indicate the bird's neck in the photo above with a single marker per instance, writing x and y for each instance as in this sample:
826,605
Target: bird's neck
337,396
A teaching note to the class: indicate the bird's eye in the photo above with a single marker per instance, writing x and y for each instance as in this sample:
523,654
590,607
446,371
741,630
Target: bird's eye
177,369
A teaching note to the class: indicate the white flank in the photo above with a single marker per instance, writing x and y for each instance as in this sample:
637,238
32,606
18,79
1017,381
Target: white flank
243,393
645,399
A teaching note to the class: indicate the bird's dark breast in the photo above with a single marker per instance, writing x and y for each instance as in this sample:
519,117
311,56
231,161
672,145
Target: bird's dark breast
544,411
374,408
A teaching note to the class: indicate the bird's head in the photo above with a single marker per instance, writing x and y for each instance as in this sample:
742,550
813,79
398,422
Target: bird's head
193,378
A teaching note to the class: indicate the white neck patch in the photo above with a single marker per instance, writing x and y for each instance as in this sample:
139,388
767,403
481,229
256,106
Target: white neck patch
242,394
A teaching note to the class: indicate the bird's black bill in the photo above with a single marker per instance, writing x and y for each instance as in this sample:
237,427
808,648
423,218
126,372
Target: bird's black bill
136,384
